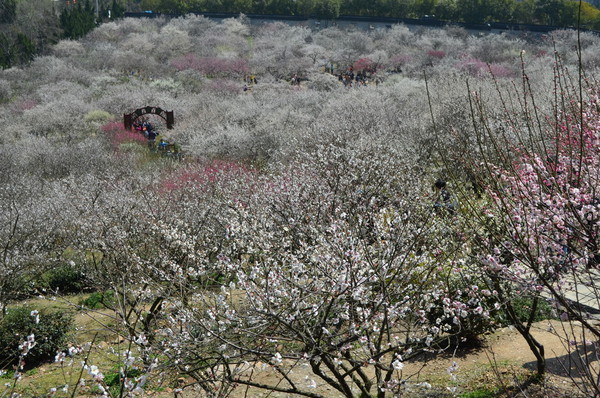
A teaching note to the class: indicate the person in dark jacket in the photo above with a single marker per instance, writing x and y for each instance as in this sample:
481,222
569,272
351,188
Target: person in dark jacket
151,138
443,198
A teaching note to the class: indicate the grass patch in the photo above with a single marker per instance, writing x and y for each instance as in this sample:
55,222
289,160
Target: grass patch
99,300
482,393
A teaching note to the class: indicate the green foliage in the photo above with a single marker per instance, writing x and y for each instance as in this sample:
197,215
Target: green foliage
327,9
8,10
483,393
20,43
15,49
113,379
5,57
99,300
472,11
116,10
25,48
50,334
590,16
553,12
523,306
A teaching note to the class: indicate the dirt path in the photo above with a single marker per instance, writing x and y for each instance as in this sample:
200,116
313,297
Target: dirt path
500,367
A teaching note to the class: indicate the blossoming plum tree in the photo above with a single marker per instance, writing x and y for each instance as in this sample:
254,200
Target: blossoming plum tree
334,263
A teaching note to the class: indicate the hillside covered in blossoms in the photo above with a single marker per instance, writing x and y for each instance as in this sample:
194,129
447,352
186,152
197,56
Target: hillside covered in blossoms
334,203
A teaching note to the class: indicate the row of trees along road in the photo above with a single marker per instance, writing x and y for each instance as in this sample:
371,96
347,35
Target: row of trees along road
547,12
28,27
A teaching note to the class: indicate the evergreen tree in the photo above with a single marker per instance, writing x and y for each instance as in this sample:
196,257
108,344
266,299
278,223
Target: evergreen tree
260,6
473,11
305,7
77,21
5,52
8,10
554,12
524,11
424,7
447,10
16,49
24,49
116,10
328,9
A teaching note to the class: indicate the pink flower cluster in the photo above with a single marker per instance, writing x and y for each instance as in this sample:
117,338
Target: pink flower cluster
364,64
552,204
436,54
202,174
479,68
119,135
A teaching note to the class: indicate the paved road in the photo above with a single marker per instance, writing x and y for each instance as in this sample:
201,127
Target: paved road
586,293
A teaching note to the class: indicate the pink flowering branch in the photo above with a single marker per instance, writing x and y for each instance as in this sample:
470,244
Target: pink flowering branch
542,215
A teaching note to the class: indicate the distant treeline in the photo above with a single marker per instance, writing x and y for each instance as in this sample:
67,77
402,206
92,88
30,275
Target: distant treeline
561,13
30,27
371,22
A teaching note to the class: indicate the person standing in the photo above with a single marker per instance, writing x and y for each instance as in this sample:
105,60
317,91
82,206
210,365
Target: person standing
151,139
443,198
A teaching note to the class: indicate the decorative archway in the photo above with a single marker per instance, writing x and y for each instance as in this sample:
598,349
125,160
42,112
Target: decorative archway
130,118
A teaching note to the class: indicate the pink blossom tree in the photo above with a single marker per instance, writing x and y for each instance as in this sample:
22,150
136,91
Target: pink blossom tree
542,220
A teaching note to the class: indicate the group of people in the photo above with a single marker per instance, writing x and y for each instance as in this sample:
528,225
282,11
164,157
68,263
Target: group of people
144,127
250,79
350,79
249,82
296,80
164,147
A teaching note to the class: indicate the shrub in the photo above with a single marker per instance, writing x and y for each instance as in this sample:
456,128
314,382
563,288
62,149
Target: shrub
166,84
119,135
399,61
207,174
49,329
323,82
479,68
5,91
65,279
523,306
98,116
364,64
